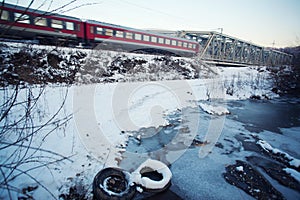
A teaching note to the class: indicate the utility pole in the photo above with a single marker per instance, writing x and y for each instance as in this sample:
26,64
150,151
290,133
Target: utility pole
273,44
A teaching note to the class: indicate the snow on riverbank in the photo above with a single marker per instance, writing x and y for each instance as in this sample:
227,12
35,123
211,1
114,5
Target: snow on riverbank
293,173
291,160
214,110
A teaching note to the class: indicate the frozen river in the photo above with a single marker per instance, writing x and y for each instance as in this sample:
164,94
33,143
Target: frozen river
76,131
195,118
267,115
276,122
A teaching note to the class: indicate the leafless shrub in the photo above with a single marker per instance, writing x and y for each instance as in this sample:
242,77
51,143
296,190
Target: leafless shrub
19,130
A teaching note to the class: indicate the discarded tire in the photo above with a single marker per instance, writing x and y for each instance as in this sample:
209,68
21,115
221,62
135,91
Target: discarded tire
112,184
153,176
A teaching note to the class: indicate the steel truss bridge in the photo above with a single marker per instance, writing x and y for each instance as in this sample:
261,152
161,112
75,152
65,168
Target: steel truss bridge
218,48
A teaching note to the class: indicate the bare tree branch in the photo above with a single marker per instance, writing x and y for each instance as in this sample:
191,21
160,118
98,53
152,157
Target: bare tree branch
11,105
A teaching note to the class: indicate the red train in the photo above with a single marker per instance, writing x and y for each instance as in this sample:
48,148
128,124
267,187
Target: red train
17,22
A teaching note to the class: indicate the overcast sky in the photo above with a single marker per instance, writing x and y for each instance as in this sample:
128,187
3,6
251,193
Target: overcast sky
262,22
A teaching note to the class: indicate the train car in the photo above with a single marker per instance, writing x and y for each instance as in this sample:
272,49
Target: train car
17,22
116,36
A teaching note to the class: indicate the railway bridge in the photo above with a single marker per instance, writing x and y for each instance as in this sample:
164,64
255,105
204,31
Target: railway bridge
218,48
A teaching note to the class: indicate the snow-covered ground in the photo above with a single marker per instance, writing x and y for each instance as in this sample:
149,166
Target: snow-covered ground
57,136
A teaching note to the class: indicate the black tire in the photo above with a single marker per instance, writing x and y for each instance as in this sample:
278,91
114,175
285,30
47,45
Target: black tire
122,190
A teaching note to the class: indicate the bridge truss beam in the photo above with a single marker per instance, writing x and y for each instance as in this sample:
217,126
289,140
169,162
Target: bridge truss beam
219,48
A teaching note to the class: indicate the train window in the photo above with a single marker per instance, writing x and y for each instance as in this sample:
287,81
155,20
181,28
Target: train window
168,41
4,14
99,30
179,43
174,42
161,40
129,35
190,45
184,44
109,32
40,21
56,24
194,46
92,28
138,36
21,18
153,39
146,38
70,26
119,34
